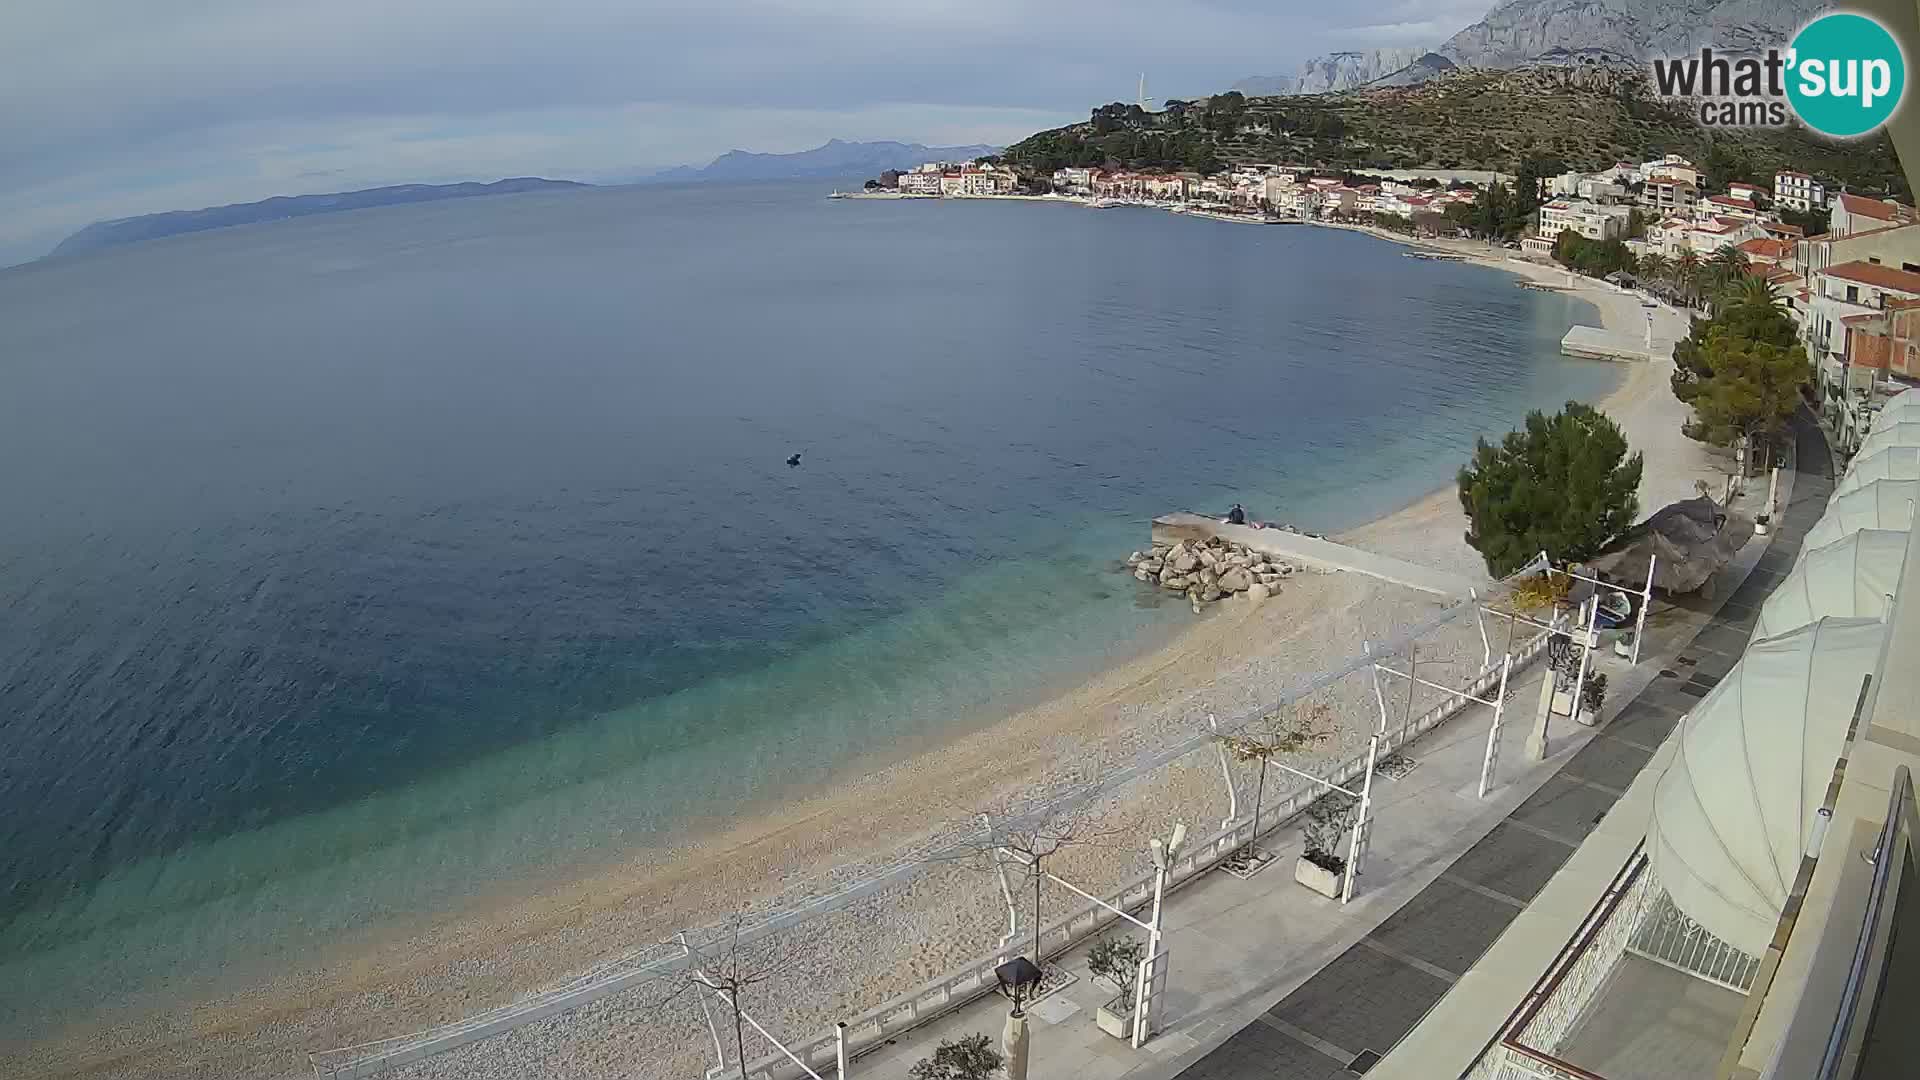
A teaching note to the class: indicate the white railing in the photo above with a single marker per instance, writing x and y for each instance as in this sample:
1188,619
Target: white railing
1667,936
976,979
1526,1045
964,984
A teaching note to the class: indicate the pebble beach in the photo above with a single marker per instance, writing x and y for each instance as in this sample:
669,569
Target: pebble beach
1230,662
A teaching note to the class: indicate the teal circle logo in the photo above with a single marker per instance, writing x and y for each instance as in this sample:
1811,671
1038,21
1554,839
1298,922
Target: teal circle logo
1845,74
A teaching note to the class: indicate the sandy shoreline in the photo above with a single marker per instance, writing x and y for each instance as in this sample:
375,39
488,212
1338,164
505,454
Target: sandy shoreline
521,942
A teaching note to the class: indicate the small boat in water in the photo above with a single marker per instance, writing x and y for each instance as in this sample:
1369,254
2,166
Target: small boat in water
838,194
1102,204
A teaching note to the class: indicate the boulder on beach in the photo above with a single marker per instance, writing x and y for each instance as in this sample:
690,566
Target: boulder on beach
1235,580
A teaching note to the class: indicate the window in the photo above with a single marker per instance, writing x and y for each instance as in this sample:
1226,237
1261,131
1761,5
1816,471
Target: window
1853,294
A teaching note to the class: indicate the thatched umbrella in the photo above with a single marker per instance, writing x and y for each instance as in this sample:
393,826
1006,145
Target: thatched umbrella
1689,541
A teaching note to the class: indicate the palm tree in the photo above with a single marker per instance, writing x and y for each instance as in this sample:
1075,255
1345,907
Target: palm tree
1755,290
1655,270
1686,276
1727,265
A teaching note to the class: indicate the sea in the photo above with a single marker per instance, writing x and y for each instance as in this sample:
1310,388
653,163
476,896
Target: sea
352,567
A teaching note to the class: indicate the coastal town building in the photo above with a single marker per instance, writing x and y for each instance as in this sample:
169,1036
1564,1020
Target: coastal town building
1780,230
1716,206
1852,214
923,180
1747,193
1588,219
1074,180
1842,292
1798,191
1893,245
1767,253
1669,195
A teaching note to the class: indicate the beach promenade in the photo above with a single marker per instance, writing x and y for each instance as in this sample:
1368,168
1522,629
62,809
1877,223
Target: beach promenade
1271,982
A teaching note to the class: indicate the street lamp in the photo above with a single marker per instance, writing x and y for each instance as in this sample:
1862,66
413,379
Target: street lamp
1019,980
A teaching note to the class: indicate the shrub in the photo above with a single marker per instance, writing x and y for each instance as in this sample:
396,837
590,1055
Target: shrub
1115,960
969,1057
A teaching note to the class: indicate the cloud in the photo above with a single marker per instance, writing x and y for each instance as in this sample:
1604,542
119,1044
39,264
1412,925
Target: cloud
126,106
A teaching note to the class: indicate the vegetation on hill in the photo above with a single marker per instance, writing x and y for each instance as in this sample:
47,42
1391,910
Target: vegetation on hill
1563,484
1585,117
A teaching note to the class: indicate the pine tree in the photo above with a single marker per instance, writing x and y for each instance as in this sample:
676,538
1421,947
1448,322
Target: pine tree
1563,484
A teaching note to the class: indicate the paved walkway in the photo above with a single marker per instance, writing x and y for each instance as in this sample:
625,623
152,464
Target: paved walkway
1344,1019
1312,551
1271,981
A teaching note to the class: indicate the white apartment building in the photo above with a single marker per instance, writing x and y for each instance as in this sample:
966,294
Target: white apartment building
1588,219
920,182
1076,180
1798,191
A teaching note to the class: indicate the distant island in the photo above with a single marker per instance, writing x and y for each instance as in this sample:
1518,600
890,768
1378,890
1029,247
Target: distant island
832,159
107,234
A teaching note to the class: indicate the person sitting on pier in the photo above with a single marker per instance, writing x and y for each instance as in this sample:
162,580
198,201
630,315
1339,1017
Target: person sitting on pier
1237,515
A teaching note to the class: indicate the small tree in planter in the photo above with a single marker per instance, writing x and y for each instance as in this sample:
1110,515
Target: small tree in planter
1115,961
1321,867
1270,738
969,1057
1592,695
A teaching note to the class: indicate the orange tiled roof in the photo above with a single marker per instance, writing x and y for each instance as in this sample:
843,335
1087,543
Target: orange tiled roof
1767,248
1861,206
1881,277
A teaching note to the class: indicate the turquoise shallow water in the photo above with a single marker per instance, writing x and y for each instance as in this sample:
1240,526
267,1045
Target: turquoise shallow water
360,563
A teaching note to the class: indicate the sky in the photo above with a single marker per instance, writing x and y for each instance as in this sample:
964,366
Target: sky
111,108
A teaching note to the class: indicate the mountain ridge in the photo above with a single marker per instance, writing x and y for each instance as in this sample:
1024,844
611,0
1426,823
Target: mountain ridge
117,232
831,159
1519,33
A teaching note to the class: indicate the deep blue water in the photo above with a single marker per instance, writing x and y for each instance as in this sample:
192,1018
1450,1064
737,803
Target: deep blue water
349,564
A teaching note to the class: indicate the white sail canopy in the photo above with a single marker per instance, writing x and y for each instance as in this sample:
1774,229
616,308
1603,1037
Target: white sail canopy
1883,504
1851,577
1735,807
1901,407
1892,463
1897,433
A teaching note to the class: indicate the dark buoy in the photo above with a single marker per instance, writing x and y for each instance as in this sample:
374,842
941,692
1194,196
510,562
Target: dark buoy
793,462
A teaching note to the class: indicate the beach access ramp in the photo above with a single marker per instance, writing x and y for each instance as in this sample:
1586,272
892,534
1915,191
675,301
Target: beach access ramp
1308,551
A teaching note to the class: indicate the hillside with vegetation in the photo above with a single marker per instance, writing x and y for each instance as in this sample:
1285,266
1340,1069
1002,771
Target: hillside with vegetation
1582,117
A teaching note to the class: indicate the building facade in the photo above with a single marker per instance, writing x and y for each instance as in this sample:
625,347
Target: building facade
1798,191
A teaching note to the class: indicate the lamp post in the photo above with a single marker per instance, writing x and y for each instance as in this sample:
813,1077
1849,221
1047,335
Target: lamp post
1164,855
1019,978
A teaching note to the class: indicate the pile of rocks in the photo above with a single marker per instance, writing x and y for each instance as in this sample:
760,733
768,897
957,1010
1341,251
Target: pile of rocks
1209,569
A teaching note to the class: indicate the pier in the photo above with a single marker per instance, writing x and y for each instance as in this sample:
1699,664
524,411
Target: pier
1310,551
1593,343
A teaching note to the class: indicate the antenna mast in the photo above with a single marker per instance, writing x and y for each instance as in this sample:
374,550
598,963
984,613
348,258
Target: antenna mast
1143,90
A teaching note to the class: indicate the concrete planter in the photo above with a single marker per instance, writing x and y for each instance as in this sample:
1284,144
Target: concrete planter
1318,878
1563,702
1586,717
1116,1016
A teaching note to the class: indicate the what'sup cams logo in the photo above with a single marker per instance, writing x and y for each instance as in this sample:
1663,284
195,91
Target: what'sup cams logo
1843,75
